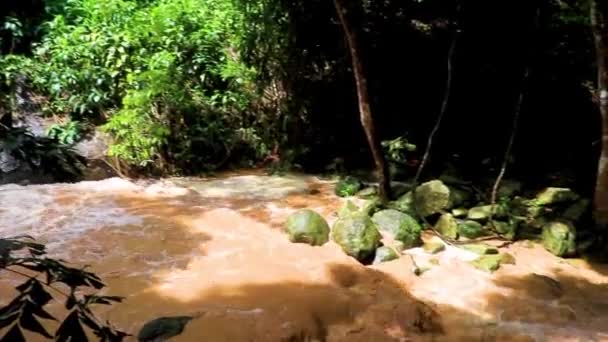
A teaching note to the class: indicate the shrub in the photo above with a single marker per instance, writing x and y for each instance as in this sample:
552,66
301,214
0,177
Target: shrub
165,74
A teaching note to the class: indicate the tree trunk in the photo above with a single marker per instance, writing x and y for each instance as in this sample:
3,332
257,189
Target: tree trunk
599,24
365,112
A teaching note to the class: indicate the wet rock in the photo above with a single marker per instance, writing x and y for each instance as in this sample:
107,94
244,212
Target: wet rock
384,254
506,229
483,212
432,197
433,247
488,263
401,226
348,186
471,229
556,195
405,204
527,208
371,206
460,212
559,238
306,226
577,210
481,249
357,235
347,209
447,225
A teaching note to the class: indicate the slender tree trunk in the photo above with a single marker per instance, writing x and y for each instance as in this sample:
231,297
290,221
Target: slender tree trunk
364,103
599,24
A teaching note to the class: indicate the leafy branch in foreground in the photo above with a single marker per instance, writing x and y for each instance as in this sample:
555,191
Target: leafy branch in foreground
22,256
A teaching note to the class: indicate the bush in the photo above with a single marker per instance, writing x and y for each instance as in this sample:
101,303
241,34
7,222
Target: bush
165,74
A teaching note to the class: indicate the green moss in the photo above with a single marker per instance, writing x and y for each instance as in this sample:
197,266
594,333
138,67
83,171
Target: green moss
348,186
306,226
401,226
357,235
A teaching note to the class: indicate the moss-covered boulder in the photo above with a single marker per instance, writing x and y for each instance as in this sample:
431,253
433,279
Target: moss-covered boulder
357,235
447,226
556,195
348,186
348,209
508,230
371,206
526,208
306,226
384,254
482,213
559,238
432,197
401,226
404,204
471,229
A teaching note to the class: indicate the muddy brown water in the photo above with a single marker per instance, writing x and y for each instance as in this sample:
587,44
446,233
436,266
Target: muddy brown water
215,247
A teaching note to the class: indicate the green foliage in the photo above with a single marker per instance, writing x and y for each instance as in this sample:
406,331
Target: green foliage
167,74
397,149
67,134
23,257
348,186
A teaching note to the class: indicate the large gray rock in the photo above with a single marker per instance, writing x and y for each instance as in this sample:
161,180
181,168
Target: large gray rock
559,238
357,235
306,226
401,226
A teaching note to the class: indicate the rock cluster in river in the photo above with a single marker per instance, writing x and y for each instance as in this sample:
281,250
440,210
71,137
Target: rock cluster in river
456,211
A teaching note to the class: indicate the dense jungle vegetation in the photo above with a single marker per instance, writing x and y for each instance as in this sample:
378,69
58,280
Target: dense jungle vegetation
184,87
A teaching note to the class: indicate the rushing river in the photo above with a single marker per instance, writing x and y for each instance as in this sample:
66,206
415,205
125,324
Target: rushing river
214,246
